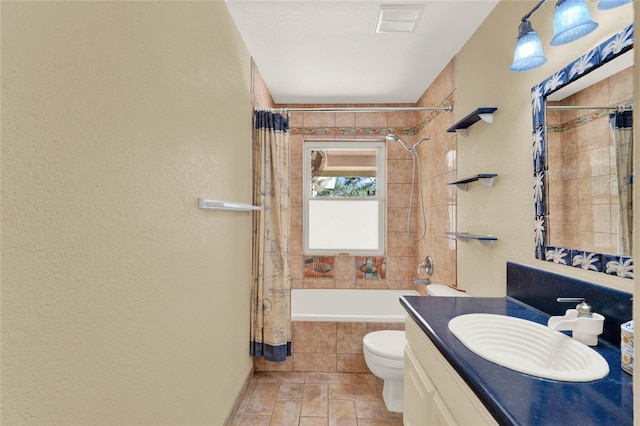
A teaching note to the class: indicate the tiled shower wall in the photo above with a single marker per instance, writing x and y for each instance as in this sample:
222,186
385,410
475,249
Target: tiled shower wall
335,346
438,166
583,193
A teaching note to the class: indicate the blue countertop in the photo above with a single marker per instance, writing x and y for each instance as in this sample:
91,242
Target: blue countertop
515,398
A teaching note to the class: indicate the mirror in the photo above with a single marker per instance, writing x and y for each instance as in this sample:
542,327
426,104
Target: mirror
344,186
577,189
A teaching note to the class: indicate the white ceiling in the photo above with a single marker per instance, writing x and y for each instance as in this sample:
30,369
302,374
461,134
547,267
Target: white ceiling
327,51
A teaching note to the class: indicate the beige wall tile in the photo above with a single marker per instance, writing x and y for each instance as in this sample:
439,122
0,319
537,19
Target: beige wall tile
315,362
351,363
314,337
349,337
259,364
319,119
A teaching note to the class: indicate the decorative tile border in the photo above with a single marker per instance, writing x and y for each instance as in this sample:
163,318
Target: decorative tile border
614,265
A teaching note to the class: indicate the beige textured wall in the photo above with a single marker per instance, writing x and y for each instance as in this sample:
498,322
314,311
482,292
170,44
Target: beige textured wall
122,302
504,147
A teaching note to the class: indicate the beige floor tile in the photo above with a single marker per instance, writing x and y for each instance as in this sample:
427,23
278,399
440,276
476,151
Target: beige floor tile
370,409
380,422
255,421
290,391
263,399
361,392
342,413
314,421
315,400
286,412
282,376
363,379
327,378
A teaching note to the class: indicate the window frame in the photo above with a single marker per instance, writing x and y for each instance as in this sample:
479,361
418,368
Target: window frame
380,197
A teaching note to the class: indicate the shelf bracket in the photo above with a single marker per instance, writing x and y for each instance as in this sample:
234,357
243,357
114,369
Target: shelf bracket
462,127
484,178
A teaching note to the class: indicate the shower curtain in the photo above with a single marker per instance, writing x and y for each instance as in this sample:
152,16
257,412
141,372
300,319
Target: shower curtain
622,132
271,290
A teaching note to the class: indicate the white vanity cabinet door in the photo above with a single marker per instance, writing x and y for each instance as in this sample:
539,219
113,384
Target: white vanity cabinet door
418,393
434,392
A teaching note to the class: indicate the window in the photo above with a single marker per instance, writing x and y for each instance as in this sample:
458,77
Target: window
344,192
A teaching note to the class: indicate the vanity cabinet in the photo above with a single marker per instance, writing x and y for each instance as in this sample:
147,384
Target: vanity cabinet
434,394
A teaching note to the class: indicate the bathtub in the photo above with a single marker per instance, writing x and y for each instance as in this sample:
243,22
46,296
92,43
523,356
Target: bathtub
348,305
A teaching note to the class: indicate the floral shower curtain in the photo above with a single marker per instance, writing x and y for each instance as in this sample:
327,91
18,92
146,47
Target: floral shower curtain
622,131
271,292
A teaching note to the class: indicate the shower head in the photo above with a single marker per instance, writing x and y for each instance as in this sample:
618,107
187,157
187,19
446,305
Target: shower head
393,138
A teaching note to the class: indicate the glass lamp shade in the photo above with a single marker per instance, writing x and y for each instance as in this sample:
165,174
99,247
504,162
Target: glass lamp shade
571,21
528,53
611,4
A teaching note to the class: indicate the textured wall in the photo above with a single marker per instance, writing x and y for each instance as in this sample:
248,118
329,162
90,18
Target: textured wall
483,79
122,302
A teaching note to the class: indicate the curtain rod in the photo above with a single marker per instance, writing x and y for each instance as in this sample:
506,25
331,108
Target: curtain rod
367,109
616,107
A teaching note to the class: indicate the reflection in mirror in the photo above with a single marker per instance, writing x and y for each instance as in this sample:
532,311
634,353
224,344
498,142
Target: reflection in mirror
589,166
582,159
343,197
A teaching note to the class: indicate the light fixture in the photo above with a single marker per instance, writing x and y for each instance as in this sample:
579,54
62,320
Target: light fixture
528,53
571,21
611,4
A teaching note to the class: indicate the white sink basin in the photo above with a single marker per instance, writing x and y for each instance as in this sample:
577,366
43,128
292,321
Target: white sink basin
528,347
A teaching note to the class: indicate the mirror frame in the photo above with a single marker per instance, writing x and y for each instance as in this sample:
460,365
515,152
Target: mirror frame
618,265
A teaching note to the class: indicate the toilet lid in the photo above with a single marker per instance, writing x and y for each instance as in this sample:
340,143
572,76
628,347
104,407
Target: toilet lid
386,343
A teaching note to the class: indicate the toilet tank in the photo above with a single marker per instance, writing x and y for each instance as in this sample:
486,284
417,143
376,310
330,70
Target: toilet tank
441,290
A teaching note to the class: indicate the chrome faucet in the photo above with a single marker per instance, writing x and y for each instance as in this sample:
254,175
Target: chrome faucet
427,265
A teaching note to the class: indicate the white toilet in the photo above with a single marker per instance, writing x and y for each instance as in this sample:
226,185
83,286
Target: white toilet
384,354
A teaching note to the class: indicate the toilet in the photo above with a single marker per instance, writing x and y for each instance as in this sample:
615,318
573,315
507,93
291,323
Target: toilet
384,354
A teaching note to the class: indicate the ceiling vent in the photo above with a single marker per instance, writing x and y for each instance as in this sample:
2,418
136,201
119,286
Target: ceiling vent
398,18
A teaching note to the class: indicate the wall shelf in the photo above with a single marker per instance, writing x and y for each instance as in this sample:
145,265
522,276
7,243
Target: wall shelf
462,127
484,178
206,204
486,240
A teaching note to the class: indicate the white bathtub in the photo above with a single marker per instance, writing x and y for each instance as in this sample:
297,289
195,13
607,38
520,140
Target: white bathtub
348,305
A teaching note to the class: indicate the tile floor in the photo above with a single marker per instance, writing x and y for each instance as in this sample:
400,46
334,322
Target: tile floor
310,399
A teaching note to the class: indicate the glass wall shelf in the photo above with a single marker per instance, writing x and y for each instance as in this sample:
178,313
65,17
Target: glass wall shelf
486,240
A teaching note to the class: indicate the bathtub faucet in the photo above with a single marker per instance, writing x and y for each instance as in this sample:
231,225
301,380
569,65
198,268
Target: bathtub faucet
421,281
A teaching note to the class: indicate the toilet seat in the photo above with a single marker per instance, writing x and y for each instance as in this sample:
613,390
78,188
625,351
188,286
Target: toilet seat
387,344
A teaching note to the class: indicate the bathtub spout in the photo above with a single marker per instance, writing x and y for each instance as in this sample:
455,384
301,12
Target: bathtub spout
421,281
